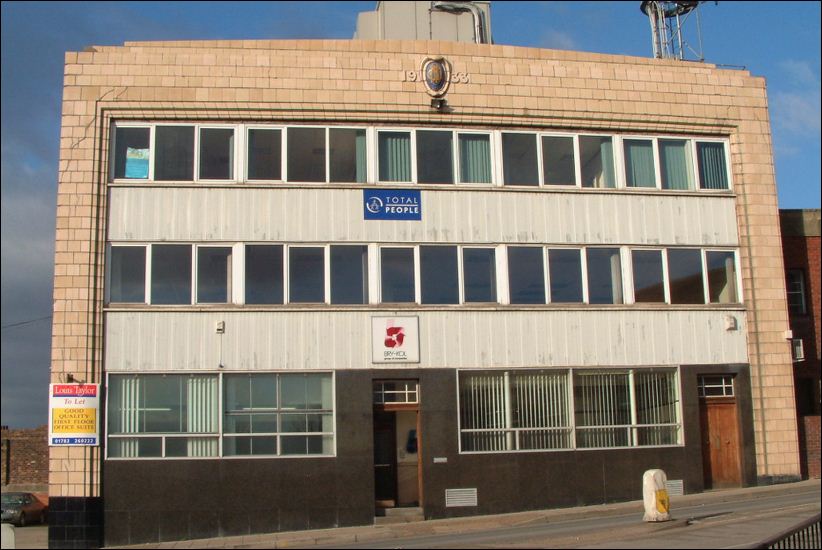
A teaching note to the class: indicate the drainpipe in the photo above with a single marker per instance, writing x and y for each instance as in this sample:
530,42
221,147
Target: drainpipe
456,7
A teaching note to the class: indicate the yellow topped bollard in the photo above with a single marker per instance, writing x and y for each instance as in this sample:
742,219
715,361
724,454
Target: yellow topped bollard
655,496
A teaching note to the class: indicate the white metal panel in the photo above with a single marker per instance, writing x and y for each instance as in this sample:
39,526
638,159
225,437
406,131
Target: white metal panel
323,339
317,214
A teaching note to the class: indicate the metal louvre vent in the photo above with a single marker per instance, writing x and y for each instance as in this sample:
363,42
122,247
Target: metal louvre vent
460,497
675,487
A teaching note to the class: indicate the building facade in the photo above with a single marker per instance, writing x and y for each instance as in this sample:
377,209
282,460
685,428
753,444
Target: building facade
801,245
312,293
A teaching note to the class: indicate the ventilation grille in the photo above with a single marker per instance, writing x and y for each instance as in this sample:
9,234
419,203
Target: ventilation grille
675,487
460,497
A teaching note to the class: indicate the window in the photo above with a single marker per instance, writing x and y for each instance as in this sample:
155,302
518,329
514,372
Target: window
306,274
213,275
162,416
526,275
565,275
513,411
534,410
558,161
216,153
596,155
264,154
278,414
438,275
306,154
397,275
797,349
685,276
519,159
127,274
170,274
396,391
795,284
649,281
349,274
131,153
479,274
604,276
395,156
721,277
263,274
713,172
639,163
174,155
435,162
348,156
716,385
475,158
676,164
606,404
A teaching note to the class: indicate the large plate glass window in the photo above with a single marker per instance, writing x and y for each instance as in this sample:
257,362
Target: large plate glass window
649,278
439,282
526,275
306,154
565,275
685,276
479,274
394,156
519,159
216,153
162,416
721,277
213,274
558,160
131,153
676,163
639,163
265,153
397,275
604,276
713,171
435,163
475,158
171,274
596,155
349,274
127,274
174,153
348,157
263,274
306,274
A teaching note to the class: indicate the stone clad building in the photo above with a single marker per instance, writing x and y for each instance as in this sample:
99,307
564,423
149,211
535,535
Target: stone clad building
318,282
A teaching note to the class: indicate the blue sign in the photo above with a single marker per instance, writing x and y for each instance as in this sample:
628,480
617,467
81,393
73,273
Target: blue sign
392,204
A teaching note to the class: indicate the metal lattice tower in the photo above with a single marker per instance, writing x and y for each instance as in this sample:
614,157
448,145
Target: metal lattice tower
667,23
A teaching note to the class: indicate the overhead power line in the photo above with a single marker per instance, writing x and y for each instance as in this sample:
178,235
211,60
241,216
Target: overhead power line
21,323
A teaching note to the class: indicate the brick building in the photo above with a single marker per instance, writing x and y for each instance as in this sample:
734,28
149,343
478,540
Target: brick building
320,279
801,245
25,459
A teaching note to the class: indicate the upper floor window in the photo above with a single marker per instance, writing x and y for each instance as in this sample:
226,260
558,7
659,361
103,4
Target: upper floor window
713,170
795,285
174,153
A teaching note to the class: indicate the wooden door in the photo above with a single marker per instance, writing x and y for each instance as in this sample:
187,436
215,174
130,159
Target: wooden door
720,443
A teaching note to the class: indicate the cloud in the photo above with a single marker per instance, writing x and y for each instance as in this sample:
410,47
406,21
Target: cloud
797,112
557,40
800,73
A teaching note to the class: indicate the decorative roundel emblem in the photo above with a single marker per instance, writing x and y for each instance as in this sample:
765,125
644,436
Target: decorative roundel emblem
374,205
436,74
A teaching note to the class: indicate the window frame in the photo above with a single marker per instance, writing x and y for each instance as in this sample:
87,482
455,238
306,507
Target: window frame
728,169
113,151
146,272
577,184
802,292
244,155
239,145
220,375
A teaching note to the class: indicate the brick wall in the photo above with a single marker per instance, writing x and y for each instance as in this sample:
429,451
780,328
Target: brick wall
25,456
809,439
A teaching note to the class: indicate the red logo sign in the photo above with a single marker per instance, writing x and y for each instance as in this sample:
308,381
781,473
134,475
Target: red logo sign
394,337
74,390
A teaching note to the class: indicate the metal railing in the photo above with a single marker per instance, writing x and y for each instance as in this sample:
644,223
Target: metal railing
803,535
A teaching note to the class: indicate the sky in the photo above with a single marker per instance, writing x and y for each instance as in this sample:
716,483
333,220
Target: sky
780,41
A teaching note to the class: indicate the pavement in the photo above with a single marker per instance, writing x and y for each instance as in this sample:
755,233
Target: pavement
708,530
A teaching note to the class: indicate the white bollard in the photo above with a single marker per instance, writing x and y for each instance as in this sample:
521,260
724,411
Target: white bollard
655,496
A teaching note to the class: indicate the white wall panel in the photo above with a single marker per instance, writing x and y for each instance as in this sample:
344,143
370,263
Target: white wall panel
319,214
186,340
